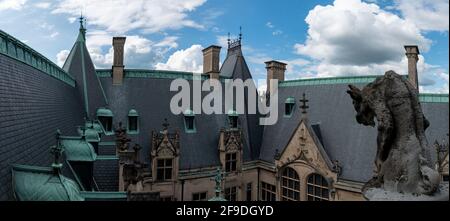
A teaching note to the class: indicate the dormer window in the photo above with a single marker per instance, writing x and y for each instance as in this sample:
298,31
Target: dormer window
189,123
289,107
133,122
105,116
233,119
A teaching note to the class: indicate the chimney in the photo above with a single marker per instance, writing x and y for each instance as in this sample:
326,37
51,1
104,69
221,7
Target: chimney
275,70
211,59
118,67
412,53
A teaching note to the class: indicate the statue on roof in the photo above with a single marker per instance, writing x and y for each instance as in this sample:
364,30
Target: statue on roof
122,140
403,163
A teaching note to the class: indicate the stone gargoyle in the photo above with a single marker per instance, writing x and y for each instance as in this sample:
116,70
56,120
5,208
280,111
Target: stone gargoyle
403,162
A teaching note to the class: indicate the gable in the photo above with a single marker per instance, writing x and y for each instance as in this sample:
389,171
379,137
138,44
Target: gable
305,147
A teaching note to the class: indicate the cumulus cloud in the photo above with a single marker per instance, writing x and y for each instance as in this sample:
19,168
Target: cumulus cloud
427,15
351,32
121,16
61,57
190,59
351,37
12,4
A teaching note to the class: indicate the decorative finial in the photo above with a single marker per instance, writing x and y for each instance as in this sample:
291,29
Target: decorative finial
165,124
240,33
229,40
57,150
304,102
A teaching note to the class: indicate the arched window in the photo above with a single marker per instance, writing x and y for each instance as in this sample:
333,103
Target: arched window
290,185
289,107
133,122
317,188
233,119
105,116
189,123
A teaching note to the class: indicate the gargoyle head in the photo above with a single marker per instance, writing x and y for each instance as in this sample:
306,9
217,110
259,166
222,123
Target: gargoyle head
365,114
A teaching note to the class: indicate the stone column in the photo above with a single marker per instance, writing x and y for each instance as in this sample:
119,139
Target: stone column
412,53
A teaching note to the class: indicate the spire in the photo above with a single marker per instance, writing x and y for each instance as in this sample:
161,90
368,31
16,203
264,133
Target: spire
240,33
82,21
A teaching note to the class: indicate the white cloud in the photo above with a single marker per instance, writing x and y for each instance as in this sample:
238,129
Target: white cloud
170,42
54,34
190,59
43,5
270,25
351,32
277,32
61,57
12,4
427,15
120,16
352,37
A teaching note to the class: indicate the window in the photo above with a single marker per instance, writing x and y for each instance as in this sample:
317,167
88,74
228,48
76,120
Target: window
290,185
199,196
289,107
189,123
133,123
445,178
164,169
249,191
317,188
268,192
230,162
105,116
231,193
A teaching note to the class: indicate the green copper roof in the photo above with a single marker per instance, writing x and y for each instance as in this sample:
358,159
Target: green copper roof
189,113
94,125
433,98
104,112
13,48
32,183
142,73
78,149
329,80
133,113
104,195
290,100
91,135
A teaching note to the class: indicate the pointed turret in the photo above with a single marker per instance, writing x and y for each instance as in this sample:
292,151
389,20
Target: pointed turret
80,65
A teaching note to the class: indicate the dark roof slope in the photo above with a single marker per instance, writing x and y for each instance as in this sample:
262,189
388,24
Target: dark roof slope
353,145
79,65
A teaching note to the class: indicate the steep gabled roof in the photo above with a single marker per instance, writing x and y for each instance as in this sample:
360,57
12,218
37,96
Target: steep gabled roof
80,65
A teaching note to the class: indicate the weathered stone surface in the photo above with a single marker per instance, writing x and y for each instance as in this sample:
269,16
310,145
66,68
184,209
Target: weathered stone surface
377,194
403,161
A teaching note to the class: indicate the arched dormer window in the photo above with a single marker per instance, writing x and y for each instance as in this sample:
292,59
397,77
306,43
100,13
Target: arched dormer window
289,107
189,121
233,119
133,122
105,116
317,188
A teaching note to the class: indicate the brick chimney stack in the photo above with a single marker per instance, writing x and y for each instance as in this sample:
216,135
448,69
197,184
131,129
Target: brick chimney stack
412,53
275,70
118,67
211,59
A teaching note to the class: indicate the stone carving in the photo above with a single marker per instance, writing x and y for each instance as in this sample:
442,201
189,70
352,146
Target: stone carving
122,140
403,162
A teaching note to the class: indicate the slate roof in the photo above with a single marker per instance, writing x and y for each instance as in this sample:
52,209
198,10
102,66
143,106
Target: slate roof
343,139
80,65
149,94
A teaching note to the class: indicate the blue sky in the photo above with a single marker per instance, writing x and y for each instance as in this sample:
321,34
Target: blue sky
316,38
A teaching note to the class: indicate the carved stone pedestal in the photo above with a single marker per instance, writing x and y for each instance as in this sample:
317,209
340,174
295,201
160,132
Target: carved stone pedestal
378,194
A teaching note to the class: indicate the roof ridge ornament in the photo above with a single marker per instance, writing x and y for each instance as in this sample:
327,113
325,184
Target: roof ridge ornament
233,43
304,102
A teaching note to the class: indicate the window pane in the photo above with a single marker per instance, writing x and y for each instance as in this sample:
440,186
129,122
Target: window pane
132,123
